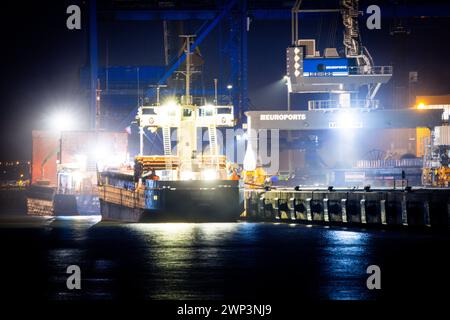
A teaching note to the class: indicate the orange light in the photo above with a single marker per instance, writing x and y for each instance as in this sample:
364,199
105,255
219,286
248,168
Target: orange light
421,106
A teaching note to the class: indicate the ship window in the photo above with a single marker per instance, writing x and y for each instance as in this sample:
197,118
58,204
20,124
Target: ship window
223,110
148,111
206,112
187,112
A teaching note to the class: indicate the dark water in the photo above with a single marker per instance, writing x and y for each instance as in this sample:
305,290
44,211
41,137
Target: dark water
215,261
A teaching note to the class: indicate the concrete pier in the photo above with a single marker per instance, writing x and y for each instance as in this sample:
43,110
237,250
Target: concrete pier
414,207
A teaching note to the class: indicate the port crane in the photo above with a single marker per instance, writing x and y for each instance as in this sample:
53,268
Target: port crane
341,76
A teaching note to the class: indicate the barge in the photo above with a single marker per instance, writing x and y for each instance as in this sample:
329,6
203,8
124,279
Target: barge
164,201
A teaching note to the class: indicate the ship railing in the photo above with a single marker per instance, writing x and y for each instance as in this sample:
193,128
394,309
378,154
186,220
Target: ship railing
214,161
330,105
390,163
159,162
122,197
79,191
368,70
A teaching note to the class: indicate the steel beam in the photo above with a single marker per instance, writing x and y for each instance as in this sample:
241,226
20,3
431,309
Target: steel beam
93,61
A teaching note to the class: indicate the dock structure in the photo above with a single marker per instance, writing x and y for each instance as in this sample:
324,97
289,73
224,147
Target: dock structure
410,207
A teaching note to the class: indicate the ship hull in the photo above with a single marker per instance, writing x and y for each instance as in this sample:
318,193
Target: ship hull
174,201
45,201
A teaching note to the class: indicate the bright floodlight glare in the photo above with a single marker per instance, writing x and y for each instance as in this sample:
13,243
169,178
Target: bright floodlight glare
209,174
229,87
187,175
285,78
345,120
170,103
62,120
101,153
421,106
249,159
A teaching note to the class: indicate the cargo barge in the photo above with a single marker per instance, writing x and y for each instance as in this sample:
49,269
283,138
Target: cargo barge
163,201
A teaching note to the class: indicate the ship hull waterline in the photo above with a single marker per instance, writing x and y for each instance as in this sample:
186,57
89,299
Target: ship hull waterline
174,201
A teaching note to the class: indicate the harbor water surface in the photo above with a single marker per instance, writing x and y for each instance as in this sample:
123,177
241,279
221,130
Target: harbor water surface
239,261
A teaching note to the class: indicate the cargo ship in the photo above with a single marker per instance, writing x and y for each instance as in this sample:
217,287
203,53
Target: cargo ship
184,184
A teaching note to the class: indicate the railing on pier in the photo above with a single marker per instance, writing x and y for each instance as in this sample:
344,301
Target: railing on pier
390,163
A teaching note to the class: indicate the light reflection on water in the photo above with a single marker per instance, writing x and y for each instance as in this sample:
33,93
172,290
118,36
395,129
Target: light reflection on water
212,260
345,256
208,260
182,253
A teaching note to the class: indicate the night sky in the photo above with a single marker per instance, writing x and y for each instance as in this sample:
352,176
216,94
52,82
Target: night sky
41,60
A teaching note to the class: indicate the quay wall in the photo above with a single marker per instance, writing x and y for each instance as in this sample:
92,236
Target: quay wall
421,207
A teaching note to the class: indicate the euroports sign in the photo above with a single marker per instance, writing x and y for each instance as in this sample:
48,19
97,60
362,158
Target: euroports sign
325,67
282,117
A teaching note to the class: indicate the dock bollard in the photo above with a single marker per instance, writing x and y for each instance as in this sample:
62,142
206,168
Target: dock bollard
383,211
362,205
308,209
344,210
326,216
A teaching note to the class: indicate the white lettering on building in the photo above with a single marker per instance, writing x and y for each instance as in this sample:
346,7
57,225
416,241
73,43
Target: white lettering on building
282,117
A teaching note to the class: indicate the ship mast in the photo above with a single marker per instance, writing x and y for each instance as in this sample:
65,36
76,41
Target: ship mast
188,72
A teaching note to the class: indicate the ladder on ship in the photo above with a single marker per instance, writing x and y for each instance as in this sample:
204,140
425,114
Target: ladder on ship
212,132
167,146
